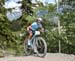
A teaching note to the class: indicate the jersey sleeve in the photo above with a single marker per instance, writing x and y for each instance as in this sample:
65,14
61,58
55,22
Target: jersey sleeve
40,25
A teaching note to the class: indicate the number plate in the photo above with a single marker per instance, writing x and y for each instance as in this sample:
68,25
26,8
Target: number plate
37,33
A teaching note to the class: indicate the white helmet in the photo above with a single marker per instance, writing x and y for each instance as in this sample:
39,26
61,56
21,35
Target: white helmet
39,19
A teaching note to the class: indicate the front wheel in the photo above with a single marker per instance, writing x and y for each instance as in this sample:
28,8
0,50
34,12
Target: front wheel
41,46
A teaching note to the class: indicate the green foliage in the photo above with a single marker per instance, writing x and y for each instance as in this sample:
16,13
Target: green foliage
51,8
26,7
68,21
67,35
5,32
10,31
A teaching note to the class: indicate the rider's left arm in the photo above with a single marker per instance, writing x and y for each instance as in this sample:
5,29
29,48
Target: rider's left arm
42,30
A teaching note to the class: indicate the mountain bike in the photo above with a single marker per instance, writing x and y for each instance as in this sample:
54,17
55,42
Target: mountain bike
38,44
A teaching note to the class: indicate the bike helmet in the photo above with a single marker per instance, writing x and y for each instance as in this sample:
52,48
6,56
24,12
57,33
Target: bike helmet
39,19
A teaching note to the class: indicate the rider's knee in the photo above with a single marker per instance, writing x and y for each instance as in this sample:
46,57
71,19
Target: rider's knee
30,34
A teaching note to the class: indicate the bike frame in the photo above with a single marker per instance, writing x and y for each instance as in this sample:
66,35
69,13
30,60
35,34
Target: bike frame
33,37
33,40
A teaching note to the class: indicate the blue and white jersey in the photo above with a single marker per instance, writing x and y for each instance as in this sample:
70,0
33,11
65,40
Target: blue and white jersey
35,26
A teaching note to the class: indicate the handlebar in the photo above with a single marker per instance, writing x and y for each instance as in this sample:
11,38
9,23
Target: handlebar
46,30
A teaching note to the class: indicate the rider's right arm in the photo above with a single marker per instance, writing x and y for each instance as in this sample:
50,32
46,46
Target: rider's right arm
28,28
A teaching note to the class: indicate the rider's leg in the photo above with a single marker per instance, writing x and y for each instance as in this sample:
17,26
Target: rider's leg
29,37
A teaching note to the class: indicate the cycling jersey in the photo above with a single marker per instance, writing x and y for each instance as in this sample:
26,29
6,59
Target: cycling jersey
35,26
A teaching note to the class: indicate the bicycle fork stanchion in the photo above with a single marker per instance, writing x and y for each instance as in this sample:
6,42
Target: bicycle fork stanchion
34,46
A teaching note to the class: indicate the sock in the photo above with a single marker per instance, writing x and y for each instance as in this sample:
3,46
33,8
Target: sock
29,42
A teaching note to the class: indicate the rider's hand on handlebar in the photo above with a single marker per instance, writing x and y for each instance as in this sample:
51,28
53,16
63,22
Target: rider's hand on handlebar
42,30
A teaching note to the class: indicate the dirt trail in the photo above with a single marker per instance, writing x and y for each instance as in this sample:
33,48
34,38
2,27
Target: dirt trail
48,57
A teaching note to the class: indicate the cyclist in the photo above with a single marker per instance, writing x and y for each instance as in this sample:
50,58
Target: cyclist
33,27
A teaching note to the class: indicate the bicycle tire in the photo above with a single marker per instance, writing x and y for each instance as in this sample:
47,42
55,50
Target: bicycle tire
43,53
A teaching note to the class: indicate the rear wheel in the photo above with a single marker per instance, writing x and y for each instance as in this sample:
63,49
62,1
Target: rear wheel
27,50
41,46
